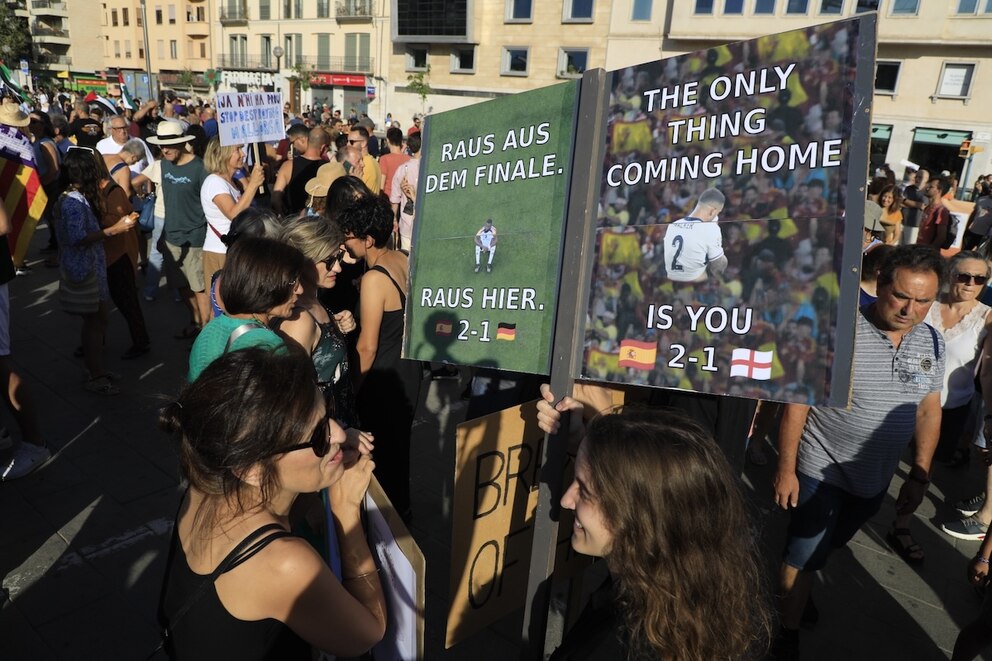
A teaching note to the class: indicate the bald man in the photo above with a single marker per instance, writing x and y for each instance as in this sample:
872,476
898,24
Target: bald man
288,193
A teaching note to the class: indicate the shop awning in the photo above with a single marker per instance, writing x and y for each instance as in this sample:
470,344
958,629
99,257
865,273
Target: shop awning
881,131
940,136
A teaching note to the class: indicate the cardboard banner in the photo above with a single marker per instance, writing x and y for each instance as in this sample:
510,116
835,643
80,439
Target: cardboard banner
485,265
496,481
244,118
720,232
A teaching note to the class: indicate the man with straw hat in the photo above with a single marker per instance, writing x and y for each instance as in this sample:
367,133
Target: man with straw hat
185,226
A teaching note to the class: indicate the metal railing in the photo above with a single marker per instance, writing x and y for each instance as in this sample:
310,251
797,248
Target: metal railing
354,9
49,4
233,14
343,64
45,31
43,58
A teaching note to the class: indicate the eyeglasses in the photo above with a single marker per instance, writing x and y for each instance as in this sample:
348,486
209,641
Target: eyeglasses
356,142
320,441
968,278
330,261
78,148
118,128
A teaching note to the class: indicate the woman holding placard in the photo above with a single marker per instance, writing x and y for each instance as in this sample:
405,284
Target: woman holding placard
654,496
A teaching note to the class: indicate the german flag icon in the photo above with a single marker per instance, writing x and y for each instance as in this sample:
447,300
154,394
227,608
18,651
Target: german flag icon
506,332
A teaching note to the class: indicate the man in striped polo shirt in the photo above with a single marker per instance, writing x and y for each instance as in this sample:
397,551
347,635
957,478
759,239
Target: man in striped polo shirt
835,465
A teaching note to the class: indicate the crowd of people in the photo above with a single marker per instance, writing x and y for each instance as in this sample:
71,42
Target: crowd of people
291,261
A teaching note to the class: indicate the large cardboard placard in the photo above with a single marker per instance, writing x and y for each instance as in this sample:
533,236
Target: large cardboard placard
247,117
497,470
746,303
488,231
402,574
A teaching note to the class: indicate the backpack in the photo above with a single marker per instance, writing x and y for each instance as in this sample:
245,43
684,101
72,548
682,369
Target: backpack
953,227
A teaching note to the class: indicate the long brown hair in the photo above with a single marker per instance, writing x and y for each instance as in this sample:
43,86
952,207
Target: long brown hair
684,554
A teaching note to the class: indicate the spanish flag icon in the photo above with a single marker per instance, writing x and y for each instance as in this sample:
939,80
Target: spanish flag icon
637,354
506,332
444,327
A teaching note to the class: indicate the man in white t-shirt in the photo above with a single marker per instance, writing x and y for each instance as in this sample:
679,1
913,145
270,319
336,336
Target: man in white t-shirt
117,128
694,245
485,242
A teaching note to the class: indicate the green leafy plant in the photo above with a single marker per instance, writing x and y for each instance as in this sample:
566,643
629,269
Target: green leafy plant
419,84
187,79
302,74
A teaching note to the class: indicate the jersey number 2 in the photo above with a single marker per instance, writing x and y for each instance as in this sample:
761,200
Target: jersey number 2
678,241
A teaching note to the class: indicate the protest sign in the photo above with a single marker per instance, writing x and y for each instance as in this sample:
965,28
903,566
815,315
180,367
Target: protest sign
721,263
484,269
497,470
244,118
402,572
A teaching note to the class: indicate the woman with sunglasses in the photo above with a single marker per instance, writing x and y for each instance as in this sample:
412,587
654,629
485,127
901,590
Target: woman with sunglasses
253,436
964,322
260,285
316,328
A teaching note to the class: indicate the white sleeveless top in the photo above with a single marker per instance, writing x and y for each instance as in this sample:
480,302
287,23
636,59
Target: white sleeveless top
963,343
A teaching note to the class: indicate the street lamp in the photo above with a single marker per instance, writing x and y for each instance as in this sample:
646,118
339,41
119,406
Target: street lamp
278,52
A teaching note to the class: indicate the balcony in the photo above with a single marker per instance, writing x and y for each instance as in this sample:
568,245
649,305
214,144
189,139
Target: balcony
233,16
54,62
337,64
354,11
49,8
42,33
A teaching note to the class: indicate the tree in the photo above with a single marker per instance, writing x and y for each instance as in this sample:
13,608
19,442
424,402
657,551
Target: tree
187,78
13,39
419,85
302,74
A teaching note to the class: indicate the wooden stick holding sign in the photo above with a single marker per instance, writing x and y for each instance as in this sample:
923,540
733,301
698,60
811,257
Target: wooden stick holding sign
258,163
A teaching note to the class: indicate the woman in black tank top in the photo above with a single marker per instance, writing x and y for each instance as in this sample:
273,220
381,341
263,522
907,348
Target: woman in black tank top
253,435
388,387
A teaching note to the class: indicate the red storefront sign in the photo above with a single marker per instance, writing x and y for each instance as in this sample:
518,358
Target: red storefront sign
337,80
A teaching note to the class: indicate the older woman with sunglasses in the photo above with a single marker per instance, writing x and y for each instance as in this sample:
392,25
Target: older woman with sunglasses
964,321
260,285
253,436
316,328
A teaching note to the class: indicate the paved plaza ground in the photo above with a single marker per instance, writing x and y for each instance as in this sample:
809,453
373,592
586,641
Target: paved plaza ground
82,541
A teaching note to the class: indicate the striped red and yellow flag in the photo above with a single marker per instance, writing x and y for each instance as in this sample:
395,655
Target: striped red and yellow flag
637,354
506,332
20,187
443,327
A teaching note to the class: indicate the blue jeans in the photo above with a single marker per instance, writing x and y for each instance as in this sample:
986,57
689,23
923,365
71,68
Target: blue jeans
825,519
154,272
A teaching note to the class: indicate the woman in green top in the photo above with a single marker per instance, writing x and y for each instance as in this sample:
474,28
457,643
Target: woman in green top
261,284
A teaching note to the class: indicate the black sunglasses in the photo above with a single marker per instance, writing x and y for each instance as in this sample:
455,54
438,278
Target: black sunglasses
329,262
967,278
356,142
320,441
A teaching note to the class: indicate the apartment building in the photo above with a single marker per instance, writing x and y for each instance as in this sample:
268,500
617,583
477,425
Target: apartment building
178,40
64,36
930,57
469,51
333,45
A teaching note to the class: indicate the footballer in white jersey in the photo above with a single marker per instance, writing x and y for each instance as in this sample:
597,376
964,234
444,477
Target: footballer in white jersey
485,242
694,244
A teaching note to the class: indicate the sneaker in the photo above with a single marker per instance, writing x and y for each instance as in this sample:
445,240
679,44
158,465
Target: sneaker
25,457
477,267
24,269
971,505
489,268
967,528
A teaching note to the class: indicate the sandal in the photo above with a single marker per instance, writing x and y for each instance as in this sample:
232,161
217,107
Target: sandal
188,333
102,385
912,553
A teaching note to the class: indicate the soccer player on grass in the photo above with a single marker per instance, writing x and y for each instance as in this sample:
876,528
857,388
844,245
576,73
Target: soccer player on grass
485,242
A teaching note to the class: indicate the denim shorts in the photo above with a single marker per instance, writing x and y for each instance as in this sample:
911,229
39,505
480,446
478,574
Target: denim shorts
825,519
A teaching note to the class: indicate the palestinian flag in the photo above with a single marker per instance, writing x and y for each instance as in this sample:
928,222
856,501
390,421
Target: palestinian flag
10,87
23,196
107,105
637,354
506,332
126,99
